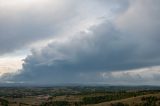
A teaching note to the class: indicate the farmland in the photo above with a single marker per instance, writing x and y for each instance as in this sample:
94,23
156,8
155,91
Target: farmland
80,96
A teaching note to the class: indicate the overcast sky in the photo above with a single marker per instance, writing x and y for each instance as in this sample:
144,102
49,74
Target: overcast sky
80,41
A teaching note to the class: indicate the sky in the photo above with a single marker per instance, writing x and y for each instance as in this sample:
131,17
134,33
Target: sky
80,41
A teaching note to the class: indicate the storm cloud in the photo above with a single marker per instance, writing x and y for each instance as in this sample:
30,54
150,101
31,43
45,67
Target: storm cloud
128,40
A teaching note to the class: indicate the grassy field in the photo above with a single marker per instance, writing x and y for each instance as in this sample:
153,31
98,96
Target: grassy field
132,101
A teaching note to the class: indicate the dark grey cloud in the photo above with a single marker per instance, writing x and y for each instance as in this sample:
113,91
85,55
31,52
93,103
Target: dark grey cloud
129,41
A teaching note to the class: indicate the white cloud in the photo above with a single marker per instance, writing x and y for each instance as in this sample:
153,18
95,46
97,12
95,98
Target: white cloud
140,76
10,64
